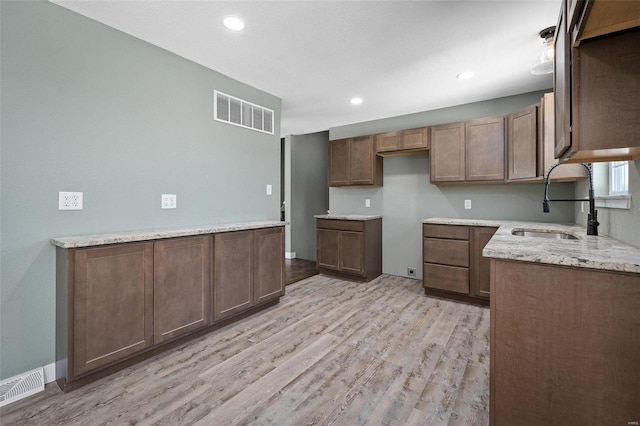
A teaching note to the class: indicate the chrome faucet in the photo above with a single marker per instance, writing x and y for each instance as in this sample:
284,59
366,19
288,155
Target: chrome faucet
592,217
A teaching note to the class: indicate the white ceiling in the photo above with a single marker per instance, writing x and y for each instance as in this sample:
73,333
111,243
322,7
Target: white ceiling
399,56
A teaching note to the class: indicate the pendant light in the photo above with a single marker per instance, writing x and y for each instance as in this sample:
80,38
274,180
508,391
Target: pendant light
545,65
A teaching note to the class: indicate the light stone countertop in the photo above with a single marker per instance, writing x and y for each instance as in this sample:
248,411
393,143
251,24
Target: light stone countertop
347,216
133,236
592,252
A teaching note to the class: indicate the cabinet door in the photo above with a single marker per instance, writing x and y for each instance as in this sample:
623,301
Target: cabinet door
328,249
352,252
362,157
387,142
562,86
522,143
233,273
485,149
447,153
113,304
181,286
339,162
268,269
415,138
480,265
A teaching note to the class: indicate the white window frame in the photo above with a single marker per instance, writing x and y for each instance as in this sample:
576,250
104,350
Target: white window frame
618,186
618,194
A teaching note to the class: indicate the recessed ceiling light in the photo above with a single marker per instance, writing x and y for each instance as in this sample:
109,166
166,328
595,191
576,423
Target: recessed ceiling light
356,101
465,75
233,23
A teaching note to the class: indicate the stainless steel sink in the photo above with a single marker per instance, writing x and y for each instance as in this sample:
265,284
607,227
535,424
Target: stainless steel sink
556,235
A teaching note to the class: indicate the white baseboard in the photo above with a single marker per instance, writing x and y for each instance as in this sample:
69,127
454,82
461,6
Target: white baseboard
290,255
50,373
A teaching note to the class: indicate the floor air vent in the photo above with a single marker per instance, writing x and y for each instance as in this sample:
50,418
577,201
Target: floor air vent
21,386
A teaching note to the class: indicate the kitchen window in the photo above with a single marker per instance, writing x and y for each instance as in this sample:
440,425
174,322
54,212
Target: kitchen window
618,178
612,185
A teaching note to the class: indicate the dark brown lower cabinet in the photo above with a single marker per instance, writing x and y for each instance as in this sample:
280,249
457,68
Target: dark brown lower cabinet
349,248
249,270
453,263
181,286
564,345
268,265
233,273
118,304
480,267
112,305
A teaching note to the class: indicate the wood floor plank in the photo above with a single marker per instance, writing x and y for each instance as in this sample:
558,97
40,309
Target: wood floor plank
331,352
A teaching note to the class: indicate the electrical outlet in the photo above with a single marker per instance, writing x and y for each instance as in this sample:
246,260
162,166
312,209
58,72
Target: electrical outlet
411,272
269,190
467,204
69,200
367,202
168,201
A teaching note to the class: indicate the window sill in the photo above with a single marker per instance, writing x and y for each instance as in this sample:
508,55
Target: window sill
614,202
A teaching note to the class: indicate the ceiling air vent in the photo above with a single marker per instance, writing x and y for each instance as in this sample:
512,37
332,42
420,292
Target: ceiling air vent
232,110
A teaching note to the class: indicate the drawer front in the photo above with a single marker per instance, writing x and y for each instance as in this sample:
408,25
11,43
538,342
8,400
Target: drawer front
448,278
447,252
452,232
341,225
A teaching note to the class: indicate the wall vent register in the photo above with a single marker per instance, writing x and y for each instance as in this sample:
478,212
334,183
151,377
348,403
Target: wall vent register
232,110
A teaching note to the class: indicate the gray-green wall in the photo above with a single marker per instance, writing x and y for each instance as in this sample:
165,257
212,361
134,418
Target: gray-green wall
621,224
88,108
309,191
407,197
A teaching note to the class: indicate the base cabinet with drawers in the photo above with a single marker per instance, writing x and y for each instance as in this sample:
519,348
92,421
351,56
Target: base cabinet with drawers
349,248
453,263
117,304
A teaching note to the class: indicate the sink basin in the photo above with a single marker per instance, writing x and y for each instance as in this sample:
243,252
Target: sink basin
556,235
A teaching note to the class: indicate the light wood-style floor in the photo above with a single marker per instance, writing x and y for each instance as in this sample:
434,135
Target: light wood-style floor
331,352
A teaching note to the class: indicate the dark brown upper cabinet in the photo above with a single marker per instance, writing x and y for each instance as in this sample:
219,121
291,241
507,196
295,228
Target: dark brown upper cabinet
522,144
596,81
353,162
472,151
485,149
403,142
447,153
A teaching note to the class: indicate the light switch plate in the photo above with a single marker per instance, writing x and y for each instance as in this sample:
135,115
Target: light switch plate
269,190
467,204
367,202
69,200
168,201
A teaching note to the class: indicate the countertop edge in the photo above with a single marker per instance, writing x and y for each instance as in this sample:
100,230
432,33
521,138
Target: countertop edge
81,241
360,217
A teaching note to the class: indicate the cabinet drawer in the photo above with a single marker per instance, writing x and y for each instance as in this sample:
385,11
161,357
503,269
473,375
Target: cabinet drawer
448,252
341,225
448,278
453,232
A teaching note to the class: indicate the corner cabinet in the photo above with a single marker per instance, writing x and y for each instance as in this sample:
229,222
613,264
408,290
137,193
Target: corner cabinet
117,304
353,162
453,265
350,249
